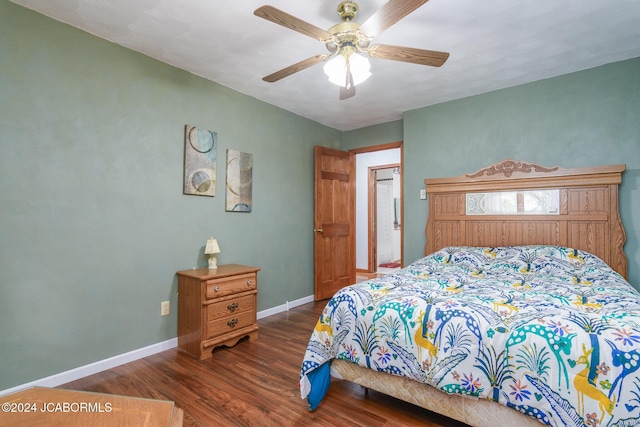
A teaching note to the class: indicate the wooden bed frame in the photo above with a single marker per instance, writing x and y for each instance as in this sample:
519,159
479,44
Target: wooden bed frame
587,218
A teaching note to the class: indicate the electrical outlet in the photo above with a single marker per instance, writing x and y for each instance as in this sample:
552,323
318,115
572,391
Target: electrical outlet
423,194
165,308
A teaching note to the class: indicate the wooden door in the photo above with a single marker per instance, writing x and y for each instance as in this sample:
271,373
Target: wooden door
334,221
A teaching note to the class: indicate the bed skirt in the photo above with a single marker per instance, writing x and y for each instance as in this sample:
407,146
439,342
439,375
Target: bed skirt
469,410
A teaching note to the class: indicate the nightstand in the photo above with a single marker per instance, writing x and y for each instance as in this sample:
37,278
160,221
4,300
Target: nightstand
216,307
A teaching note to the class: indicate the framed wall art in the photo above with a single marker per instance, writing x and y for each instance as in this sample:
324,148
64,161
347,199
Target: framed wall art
239,181
200,148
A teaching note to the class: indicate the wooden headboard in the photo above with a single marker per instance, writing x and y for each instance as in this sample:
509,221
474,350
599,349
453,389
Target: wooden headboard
582,211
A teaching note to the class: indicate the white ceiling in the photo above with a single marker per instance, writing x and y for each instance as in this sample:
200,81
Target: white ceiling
493,44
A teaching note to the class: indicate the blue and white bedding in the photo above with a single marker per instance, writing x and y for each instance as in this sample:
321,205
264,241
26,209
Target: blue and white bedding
550,331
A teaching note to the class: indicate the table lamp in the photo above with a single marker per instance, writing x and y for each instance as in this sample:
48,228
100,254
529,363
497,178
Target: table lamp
212,249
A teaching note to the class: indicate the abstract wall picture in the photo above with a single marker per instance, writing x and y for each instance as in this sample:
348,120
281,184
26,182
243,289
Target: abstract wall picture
239,177
200,148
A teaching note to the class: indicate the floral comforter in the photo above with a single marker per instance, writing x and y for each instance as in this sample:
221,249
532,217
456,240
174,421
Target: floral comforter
550,331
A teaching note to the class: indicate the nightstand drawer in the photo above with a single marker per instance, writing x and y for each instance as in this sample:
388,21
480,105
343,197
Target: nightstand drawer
230,323
231,307
231,285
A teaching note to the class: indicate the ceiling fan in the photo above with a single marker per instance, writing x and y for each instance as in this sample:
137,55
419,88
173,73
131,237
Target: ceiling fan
346,40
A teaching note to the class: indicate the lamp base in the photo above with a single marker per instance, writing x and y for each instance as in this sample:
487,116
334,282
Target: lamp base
213,262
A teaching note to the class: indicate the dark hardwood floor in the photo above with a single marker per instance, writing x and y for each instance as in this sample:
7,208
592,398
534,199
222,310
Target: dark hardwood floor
255,384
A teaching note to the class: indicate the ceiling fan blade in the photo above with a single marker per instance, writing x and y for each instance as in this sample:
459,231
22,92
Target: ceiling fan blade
299,66
388,15
408,54
272,14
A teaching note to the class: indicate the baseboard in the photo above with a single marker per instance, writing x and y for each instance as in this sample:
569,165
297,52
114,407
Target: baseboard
102,365
95,367
284,307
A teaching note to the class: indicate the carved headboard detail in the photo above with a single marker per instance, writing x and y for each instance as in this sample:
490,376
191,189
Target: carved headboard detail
588,216
508,167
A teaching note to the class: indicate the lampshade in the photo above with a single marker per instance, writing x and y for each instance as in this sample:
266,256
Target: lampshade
212,247
336,69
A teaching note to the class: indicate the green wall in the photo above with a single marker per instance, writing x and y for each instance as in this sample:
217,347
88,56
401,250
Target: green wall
581,119
93,222
373,135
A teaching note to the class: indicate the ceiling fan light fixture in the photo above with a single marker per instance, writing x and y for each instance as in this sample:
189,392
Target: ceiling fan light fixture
336,69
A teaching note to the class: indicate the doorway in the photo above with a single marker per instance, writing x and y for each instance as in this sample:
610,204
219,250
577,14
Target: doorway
368,159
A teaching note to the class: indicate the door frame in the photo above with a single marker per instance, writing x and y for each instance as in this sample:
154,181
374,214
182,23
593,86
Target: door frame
381,147
372,217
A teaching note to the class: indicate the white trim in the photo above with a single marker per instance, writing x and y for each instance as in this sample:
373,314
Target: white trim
111,362
95,367
284,307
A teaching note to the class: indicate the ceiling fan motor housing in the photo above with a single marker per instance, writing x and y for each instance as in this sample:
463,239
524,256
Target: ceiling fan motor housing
346,37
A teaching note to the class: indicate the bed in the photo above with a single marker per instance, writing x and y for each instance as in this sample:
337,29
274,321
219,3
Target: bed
519,314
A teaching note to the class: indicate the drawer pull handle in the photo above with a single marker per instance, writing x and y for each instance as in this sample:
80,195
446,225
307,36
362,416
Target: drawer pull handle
216,289
232,307
249,282
232,323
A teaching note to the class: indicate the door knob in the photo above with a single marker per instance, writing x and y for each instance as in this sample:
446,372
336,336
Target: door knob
318,230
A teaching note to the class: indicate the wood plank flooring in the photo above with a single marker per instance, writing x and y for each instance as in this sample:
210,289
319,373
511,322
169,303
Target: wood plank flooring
256,384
